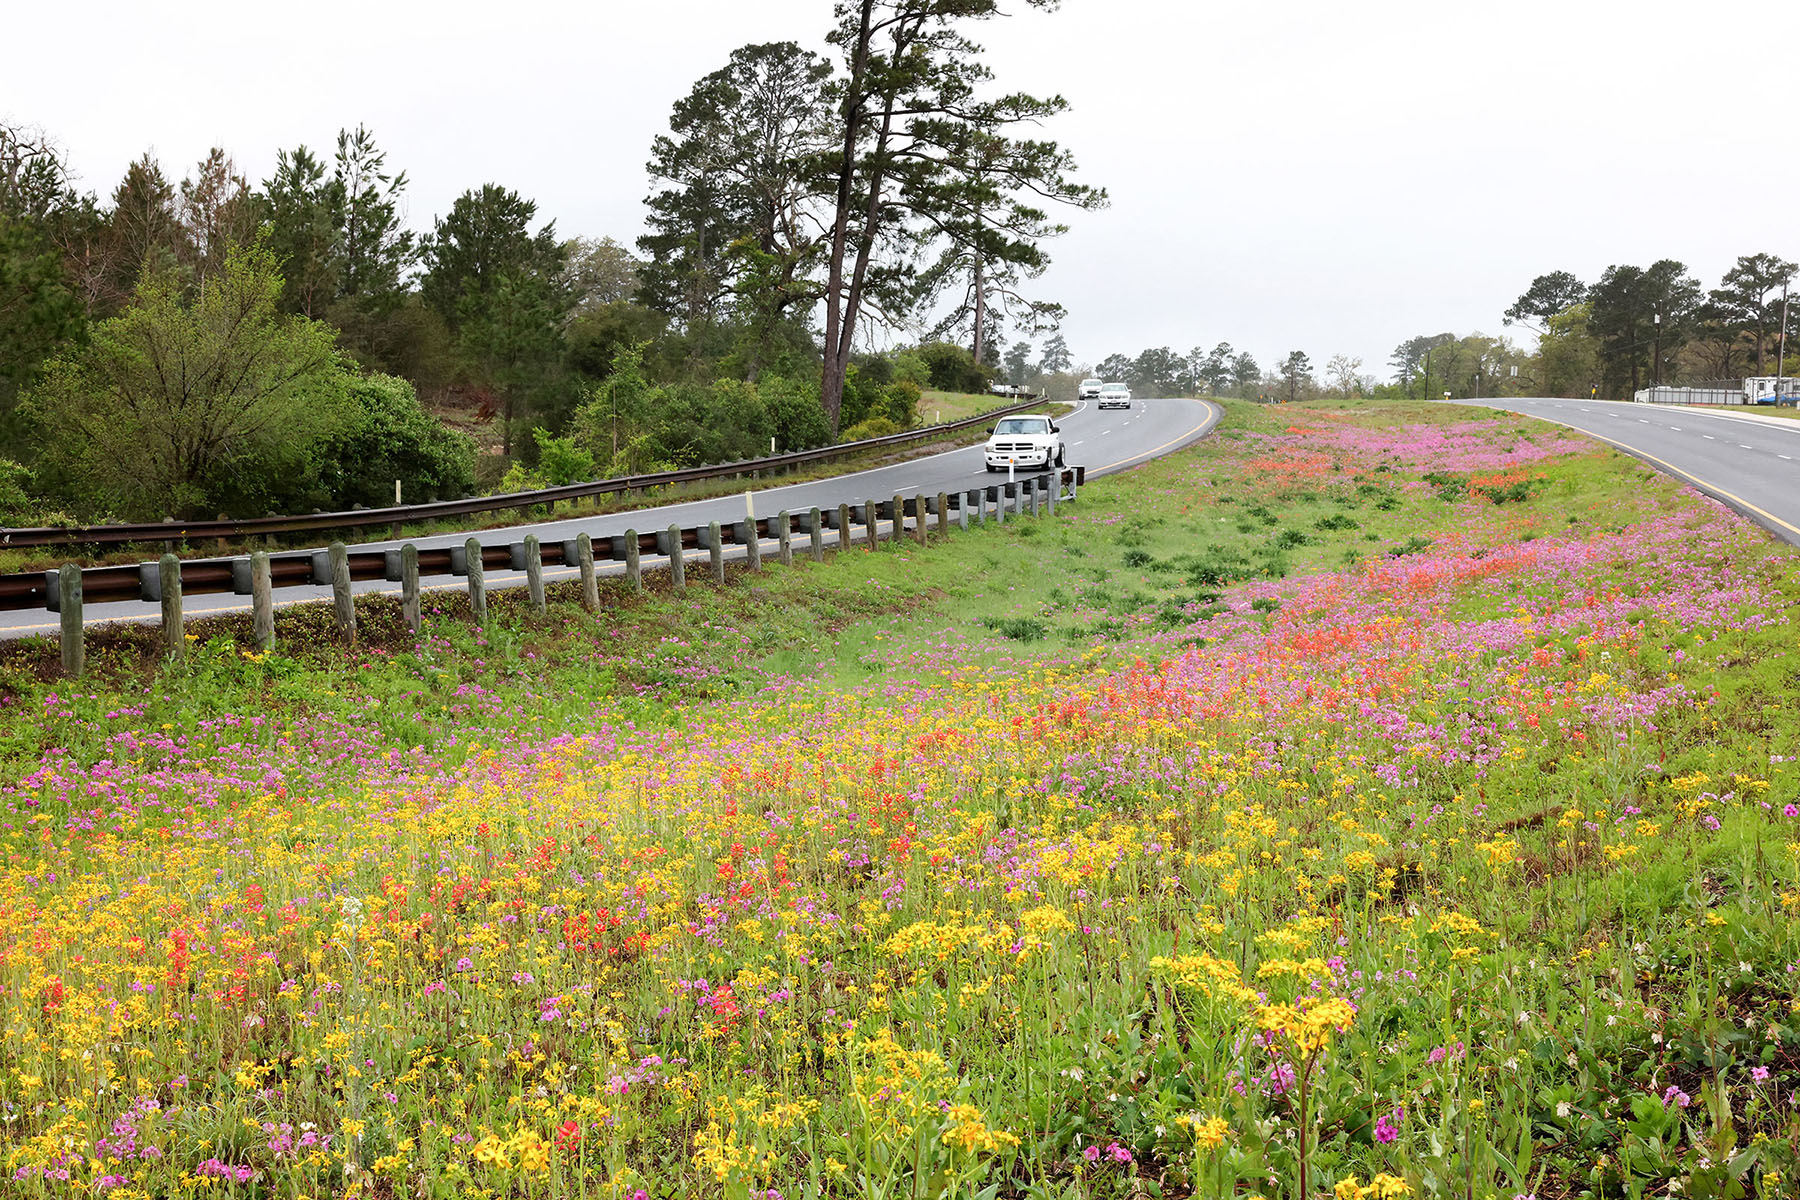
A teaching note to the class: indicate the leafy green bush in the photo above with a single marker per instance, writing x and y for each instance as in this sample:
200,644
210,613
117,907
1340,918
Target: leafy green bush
389,436
952,368
16,504
1019,629
909,367
899,403
193,401
795,417
561,461
874,427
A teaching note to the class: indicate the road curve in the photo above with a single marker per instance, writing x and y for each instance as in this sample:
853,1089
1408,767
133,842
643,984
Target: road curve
1747,460
1103,442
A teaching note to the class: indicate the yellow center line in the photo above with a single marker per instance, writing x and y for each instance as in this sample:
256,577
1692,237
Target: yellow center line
1213,415
1712,488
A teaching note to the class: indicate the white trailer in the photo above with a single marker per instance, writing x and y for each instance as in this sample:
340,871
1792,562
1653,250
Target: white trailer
1772,389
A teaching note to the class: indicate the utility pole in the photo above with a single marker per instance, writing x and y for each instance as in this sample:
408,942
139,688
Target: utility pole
1656,366
1781,344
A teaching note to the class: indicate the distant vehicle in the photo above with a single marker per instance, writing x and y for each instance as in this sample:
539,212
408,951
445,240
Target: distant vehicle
1010,389
1027,441
1115,395
1089,389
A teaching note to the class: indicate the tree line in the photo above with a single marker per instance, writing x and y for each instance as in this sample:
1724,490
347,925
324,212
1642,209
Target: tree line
1638,326
216,345
1631,328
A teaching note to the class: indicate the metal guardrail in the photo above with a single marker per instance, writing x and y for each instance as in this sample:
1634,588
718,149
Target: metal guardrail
362,518
303,568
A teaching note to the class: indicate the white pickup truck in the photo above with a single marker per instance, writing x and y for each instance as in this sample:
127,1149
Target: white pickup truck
1027,441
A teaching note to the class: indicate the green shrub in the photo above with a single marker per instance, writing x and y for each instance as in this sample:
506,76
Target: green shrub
874,427
1450,488
1019,629
561,461
795,416
952,368
390,436
16,504
899,403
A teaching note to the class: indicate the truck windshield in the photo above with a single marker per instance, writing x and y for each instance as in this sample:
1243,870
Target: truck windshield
1022,425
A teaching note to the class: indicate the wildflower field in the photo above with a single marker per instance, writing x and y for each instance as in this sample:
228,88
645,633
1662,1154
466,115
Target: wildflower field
1361,804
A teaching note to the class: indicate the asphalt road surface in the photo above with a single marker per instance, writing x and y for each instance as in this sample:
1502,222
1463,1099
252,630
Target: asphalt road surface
1103,442
1748,459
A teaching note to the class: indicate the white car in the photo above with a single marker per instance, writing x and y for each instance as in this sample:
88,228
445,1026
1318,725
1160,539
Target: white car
1115,395
1089,389
1027,441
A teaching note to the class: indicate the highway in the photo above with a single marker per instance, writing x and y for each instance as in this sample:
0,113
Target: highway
1749,460
1103,442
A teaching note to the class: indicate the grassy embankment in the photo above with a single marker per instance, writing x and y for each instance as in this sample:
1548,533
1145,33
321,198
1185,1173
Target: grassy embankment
1359,803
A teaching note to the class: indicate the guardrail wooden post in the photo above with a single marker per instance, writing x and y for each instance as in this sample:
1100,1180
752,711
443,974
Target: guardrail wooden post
477,581
343,601
715,552
590,583
921,531
784,534
1055,487
677,560
410,609
843,517
752,543
962,510
1000,499
534,573
262,601
943,514
871,513
168,572
1035,489
634,563
898,534
68,596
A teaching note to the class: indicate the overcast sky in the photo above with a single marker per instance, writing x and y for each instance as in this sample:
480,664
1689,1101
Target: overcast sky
1330,177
